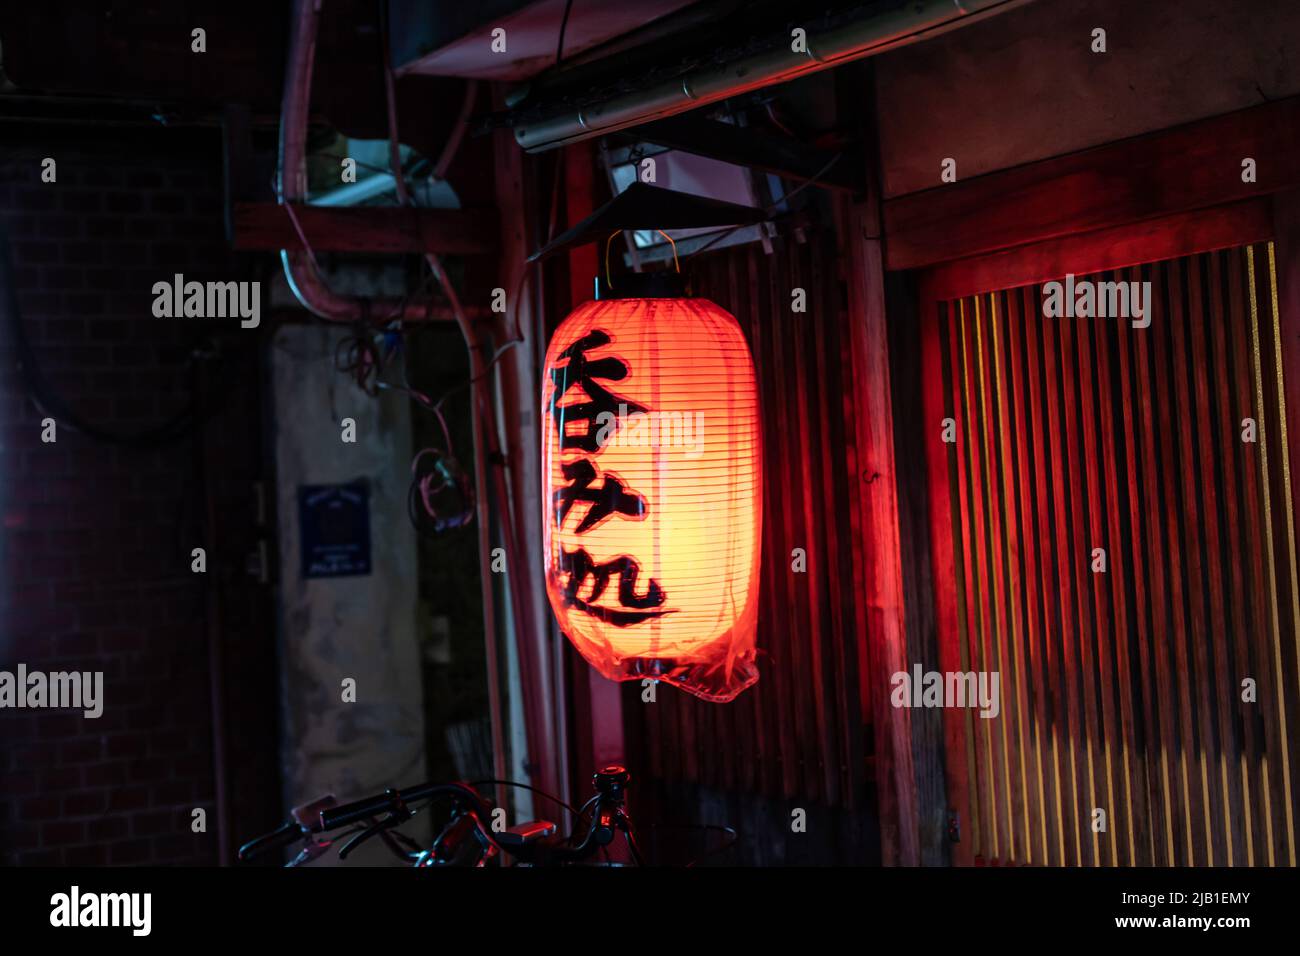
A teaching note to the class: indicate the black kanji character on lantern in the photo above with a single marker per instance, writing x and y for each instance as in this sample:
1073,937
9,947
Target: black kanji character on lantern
598,412
580,566
612,497
580,371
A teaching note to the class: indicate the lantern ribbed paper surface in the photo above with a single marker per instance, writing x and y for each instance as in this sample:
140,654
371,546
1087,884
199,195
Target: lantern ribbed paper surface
652,471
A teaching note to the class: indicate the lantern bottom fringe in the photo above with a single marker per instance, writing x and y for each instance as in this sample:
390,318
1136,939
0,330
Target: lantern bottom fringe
715,681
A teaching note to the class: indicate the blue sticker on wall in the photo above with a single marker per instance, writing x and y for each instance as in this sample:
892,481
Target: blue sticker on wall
334,528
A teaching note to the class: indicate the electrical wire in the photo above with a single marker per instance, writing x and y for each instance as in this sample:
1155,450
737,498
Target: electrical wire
524,786
431,487
707,827
358,356
458,132
390,98
445,472
771,210
564,26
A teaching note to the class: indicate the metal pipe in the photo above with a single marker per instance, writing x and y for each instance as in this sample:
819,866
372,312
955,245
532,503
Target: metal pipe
485,472
354,194
300,269
487,453
907,23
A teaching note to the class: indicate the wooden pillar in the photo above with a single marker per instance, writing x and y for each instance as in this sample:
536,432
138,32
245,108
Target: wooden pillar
1286,266
541,672
883,649
1286,252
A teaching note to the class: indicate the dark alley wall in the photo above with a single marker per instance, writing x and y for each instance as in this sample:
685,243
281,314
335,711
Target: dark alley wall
95,565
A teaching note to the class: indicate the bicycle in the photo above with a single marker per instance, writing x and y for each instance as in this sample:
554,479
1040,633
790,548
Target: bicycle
468,839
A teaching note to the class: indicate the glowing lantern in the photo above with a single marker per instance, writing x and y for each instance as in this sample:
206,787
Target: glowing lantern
652,481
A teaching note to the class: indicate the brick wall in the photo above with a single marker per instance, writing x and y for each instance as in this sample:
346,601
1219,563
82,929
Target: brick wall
95,551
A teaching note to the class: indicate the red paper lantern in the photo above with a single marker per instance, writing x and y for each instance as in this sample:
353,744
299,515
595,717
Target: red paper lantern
652,485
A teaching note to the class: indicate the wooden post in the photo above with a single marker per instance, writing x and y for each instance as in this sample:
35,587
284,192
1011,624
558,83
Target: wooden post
542,675
1286,265
880,583
1286,232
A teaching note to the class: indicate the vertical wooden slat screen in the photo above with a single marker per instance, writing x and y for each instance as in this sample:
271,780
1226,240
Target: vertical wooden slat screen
1122,690
797,736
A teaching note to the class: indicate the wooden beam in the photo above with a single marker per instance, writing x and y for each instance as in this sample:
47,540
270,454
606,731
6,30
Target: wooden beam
1151,240
373,229
1189,167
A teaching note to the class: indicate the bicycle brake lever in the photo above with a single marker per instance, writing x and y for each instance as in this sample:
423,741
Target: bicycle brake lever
310,851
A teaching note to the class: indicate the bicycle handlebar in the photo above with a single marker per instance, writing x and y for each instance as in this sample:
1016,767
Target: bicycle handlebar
391,800
607,818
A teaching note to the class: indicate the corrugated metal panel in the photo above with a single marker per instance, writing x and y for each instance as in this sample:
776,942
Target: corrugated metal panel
1123,691
798,735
